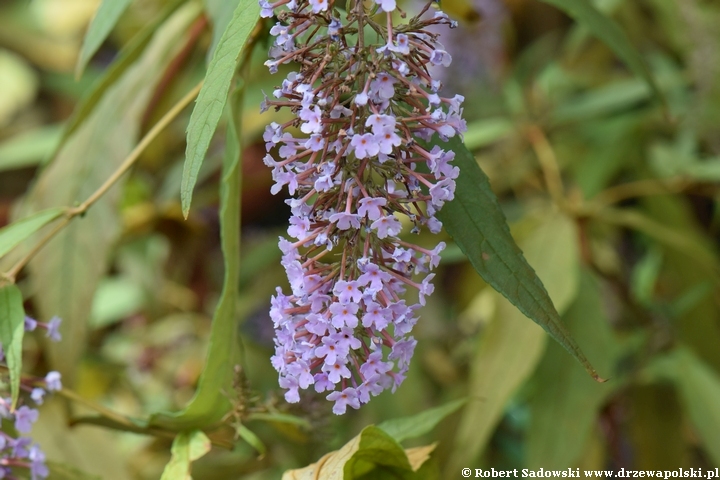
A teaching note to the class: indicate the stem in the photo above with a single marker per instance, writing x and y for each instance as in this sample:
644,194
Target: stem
548,164
72,212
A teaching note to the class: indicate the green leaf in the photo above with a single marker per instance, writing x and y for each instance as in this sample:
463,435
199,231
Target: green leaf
12,329
609,32
12,235
107,15
211,401
125,59
699,388
482,133
220,12
67,270
280,418
410,427
30,148
511,347
213,95
186,448
565,403
476,222
372,449
252,439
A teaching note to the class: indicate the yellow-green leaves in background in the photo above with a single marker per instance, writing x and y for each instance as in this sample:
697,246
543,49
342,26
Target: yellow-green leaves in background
186,448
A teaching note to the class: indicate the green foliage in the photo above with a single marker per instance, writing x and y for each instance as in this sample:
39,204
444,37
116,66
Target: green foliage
478,225
12,317
609,32
69,268
213,95
373,452
411,427
126,58
186,448
565,402
212,399
510,348
15,233
579,201
105,19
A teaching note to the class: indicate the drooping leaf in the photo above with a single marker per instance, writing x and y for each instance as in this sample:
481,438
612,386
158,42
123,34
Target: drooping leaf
372,449
476,222
410,427
211,401
213,96
66,272
125,59
105,19
609,32
12,235
186,448
510,346
565,404
12,330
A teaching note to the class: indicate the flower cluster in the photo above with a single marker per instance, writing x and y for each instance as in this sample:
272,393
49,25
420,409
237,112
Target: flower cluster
356,162
20,452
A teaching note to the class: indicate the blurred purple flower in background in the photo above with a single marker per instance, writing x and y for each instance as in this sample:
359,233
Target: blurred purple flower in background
20,452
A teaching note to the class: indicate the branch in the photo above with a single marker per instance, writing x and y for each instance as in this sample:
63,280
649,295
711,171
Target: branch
72,212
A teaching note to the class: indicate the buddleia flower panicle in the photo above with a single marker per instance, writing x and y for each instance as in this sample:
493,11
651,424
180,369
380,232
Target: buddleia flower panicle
18,452
355,161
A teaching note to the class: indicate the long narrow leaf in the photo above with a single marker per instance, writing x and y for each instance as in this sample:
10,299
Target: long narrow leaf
105,19
476,222
124,60
414,426
213,96
609,32
12,235
211,400
12,329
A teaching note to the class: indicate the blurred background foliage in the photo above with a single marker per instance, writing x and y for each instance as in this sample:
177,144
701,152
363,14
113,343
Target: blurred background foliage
612,196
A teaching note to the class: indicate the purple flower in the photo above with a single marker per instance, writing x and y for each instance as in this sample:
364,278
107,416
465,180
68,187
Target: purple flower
371,207
38,469
386,5
384,82
347,397
52,381
387,226
37,395
348,291
24,418
30,324
53,329
365,145
353,166
345,220
344,315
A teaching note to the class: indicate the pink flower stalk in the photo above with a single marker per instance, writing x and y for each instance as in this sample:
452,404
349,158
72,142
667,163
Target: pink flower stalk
351,159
